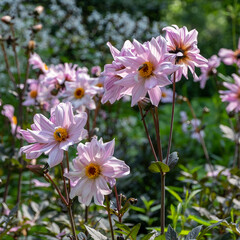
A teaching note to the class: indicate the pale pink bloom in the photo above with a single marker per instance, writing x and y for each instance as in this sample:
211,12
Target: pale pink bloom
196,131
114,72
230,57
183,50
61,234
96,71
8,111
232,95
37,183
81,92
95,167
148,70
220,169
183,116
208,71
34,88
167,95
53,136
37,63
82,70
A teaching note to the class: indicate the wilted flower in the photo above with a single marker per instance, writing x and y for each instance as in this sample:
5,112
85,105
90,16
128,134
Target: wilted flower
148,70
95,167
232,95
208,71
53,136
230,57
38,9
182,46
37,28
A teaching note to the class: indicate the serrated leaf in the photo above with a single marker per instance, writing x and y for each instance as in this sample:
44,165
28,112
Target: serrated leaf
194,233
133,233
171,234
172,160
95,234
158,167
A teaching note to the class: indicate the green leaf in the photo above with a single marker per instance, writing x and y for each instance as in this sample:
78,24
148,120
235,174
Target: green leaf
171,234
174,194
122,226
172,160
209,228
160,237
95,234
148,236
158,167
193,193
199,220
138,209
194,233
134,231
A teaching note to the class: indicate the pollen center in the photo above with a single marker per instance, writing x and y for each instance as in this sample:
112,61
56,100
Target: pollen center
145,70
92,171
45,67
164,94
99,85
60,134
79,93
33,94
14,120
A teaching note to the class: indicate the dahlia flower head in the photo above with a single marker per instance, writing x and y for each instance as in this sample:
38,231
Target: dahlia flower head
183,50
34,89
232,96
80,93
95,168
54,136
114,72
208,71
144,70
166,95
229,57
37,63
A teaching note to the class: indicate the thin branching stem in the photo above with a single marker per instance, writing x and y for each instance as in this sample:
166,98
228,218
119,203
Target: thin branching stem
109,216
118,204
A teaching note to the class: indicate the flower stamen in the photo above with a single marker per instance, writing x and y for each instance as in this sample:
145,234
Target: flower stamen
79,93
145,70
92,171
33,94
60,134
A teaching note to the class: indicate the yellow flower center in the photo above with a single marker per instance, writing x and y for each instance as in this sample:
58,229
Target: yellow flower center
92,171
145,70
45,66
79,93
99,85
14,120
33,94
164,94
60,134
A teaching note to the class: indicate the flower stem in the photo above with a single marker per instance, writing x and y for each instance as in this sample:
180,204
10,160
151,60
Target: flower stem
172,118
147,133
64,183
162,203
118,204
109,216
72,220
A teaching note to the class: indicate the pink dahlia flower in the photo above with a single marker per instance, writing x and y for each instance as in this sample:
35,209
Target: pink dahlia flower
114,72
182,46
37,63
167,95
80,93
96,71
230,57
95,167
34,87
208,71
53,136
148,70
232,95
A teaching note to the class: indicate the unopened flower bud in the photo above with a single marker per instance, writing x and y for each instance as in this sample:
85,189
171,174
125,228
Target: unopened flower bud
38,10
133,200
206,110
145,103
37,28
124,198
179,99
31,45
36,169
6,19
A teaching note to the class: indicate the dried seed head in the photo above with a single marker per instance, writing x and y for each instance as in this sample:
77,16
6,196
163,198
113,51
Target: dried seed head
6,19
145,103
37,28
38,10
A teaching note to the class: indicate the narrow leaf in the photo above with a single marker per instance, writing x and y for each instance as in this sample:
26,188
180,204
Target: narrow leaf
174,194
134,232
